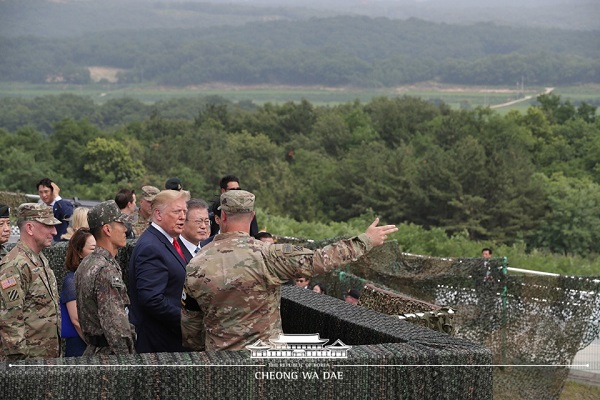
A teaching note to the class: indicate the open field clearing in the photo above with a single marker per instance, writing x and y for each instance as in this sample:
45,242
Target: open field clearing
466,97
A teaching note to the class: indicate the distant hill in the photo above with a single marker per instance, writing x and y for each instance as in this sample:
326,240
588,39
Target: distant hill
63,18
337,51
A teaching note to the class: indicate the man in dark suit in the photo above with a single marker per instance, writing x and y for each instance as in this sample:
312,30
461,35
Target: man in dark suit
63,210
156,276
227,183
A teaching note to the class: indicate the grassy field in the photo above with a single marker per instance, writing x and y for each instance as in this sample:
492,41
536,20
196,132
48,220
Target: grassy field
455,96
579,391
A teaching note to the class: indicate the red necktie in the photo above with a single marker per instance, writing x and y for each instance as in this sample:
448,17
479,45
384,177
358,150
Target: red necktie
178,248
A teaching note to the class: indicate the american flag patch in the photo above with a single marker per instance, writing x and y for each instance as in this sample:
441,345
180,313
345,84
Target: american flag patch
9,283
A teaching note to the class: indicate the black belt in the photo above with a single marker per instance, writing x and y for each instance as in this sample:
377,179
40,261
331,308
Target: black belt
98,341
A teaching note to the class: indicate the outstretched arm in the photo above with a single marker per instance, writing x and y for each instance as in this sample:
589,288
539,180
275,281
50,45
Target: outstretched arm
378,234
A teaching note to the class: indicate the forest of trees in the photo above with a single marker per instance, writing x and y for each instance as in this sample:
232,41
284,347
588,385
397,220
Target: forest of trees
531,179
335,51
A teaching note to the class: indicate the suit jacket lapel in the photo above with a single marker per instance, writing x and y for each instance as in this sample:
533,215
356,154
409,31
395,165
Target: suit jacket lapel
168,245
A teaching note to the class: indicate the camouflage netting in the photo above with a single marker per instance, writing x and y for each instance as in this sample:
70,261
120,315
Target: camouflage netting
13,200
389,358
538,321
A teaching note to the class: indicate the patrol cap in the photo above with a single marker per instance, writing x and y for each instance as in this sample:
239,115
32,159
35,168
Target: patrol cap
37,212
173,184
105,213
4,211
149,192
237,202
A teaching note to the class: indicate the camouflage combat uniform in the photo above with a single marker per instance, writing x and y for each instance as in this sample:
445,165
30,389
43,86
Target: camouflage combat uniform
29,308
3,251
139,225
234,286
102,305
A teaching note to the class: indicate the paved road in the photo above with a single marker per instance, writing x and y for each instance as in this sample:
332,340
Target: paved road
510,103
588,375
590,355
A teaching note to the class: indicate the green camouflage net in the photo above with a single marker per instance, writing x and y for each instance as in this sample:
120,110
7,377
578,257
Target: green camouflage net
533,324
408,309
388,359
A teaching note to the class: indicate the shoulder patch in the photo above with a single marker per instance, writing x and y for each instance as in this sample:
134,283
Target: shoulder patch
9,282
116,282
188,302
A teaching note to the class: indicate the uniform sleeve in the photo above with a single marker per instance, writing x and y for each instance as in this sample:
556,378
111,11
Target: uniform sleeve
192,325
12,327
110,291
286,261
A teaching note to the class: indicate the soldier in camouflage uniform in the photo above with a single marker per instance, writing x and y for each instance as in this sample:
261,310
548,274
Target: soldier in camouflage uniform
4,229
29,308
145,211
102,301
232,290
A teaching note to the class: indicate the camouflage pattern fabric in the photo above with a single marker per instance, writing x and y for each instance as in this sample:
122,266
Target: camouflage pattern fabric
140,225
29,308
3,251
234,285
105,213
102,303
406,308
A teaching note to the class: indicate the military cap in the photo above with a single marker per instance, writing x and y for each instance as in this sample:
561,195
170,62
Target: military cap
37,212
237,202
173,184
353,293
4,211
149,192
105,213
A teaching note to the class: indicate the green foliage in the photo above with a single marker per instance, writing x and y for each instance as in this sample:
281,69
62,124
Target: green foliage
434,242
335,51
452,179
570,226
110,163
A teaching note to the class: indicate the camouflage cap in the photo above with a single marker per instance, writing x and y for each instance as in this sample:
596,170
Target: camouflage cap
105,213
237,202
149,193
4,211
37,212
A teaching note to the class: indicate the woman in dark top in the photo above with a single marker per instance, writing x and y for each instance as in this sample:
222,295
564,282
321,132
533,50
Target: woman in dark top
81,244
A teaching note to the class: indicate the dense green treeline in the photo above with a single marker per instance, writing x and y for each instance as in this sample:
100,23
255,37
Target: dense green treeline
528,179
336,51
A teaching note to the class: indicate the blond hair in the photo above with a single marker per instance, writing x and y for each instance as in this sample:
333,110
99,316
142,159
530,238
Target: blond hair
78,220
167,196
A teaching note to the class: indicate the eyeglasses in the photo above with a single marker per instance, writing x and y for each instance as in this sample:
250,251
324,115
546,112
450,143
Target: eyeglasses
301,280
236,188
200,222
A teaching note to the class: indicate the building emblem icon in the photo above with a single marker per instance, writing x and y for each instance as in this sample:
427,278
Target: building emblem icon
298,346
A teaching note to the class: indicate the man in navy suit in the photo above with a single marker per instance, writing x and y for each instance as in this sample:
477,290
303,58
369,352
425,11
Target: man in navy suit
63,210
156,276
